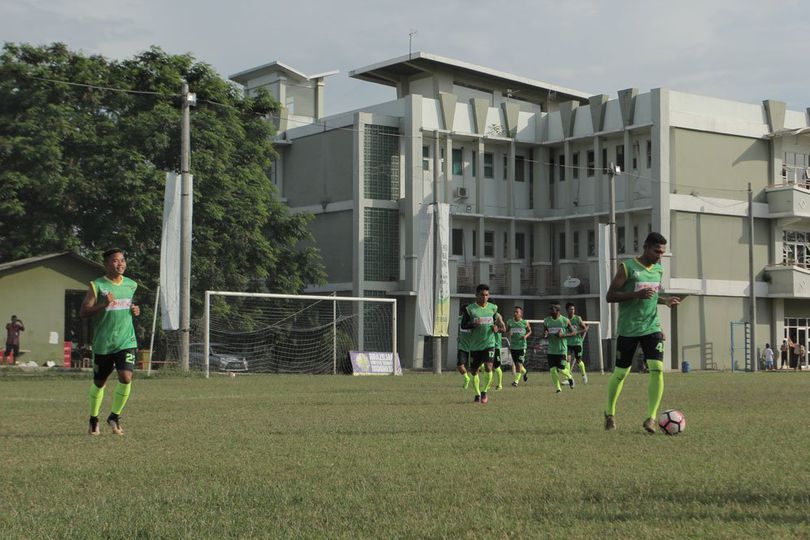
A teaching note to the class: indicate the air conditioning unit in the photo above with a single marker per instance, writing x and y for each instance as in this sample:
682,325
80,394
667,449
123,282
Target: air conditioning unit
461,193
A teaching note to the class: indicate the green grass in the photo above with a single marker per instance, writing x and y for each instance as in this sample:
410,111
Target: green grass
405,457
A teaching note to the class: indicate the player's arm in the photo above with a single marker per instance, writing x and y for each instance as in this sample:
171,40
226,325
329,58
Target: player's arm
467,322
670,301
615,294
583,327
500,325
528,331
89,305
571,330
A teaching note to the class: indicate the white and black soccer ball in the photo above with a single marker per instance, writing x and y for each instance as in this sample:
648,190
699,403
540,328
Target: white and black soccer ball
672,422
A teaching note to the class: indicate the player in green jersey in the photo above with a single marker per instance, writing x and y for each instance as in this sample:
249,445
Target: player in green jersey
483,320
463,354
575,342
108,303
557,329
519,331
635,287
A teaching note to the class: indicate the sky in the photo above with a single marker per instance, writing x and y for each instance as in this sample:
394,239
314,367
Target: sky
742,50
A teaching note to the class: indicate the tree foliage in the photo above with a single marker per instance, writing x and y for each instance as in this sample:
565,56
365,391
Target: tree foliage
83,168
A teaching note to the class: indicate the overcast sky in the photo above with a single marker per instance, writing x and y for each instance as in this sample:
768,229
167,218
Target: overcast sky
746,50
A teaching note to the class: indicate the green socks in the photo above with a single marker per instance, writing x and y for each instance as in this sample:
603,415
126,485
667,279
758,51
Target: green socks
499,373
655,388
615,384
581,365
555,378
477,384
96,397
489,380
120,397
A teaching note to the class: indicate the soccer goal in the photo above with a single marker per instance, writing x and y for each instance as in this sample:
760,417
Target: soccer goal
278,333
537,347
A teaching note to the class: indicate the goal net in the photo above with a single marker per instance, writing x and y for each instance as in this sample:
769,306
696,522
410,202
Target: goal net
537,347
275,333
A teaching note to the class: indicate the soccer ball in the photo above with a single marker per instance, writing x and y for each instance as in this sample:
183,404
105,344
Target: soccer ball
672,422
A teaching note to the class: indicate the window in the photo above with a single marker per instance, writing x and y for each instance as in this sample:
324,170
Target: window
425,158
489,165
505,245
649,154
620,247
635,237
489,243
458,241
474,163
505,167
620,157
520,245
561,245
591,244
561,168
475,242
635,155
458,162
605,163
531,245
591,157
796,248
576,244
551,162
520,169
575,165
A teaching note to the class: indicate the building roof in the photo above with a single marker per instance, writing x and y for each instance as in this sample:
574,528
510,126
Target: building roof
4,267
390,71
244,76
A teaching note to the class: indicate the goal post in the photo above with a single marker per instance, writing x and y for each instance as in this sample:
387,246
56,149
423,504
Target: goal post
284,333
537,347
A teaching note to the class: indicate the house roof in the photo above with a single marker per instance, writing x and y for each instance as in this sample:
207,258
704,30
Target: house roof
38,259
390,71
244,76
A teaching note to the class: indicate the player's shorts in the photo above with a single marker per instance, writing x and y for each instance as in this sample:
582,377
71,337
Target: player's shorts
103,364
12,348
479,357
518,355
575,351
496,360
556,360
652,345
462,358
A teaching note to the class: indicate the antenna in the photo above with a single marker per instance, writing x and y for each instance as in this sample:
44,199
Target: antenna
410,42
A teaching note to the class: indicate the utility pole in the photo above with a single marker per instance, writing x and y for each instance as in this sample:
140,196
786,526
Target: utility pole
752,314
188,99
612,171
438,360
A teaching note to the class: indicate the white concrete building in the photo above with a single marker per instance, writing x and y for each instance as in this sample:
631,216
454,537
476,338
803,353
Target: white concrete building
521,164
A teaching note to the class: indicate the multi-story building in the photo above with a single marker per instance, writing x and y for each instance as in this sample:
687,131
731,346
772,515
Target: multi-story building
523,167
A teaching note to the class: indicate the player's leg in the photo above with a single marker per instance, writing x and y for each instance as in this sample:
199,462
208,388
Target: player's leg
462,357
653,347
476,360
497,369
625,349
125,365
555,366
103,365
580,363
518,356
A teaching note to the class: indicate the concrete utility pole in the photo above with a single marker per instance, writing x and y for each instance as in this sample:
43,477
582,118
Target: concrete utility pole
438,360
612,170
752,314
188,99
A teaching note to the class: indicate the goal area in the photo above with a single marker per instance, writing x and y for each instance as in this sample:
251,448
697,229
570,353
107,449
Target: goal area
537,347
279,333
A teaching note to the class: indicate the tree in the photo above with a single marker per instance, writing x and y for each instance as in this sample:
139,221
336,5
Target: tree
83,168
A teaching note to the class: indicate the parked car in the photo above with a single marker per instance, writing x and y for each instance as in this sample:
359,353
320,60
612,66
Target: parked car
506,357
218,358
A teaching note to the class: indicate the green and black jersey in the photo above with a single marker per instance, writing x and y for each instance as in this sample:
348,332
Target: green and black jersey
112,328
639,316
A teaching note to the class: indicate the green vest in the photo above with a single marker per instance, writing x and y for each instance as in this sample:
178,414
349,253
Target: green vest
517,333
556,327
463,337
482,337
639,317
576,322
112,328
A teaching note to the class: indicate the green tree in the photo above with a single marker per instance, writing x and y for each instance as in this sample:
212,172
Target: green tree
83,168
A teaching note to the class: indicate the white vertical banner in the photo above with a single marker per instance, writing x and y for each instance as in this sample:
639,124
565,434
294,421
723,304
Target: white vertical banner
603,246
441,312
424,291
170,255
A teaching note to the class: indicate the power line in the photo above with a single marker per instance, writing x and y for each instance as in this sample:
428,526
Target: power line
107,88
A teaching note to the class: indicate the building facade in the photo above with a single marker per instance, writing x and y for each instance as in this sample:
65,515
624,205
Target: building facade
522,165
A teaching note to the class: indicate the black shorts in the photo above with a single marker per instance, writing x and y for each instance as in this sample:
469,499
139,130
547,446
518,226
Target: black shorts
575,351
556,361
462,358
652,345
518,355
103,364
479,357
496,360
12,348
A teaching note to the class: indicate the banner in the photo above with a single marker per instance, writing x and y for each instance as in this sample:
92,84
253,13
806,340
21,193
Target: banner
170,254
374,363
424,289
603,245
441,312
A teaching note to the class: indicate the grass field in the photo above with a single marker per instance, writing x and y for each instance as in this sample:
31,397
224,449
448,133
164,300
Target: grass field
405,457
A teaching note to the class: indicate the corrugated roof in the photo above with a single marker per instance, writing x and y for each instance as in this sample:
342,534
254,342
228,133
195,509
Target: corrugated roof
39,258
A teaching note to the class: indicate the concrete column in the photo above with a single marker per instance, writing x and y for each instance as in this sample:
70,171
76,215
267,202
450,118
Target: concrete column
479,181
567,195
413,186
600,178
660,190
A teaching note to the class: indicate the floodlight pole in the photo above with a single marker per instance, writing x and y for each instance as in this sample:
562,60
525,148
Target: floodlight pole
185,225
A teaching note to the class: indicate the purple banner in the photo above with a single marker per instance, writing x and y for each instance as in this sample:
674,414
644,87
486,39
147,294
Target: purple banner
374,363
